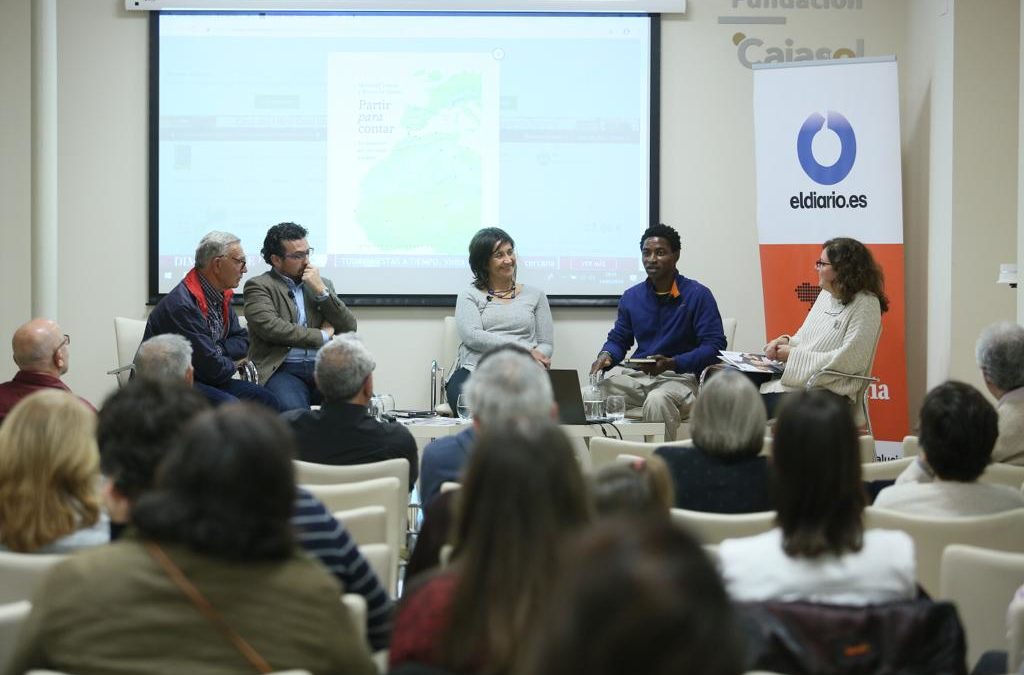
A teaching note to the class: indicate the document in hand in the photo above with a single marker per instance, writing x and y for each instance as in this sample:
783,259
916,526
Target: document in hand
751,363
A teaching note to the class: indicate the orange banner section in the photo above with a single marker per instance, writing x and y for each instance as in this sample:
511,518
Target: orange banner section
790,285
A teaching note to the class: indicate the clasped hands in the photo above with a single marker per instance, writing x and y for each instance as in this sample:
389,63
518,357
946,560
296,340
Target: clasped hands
778,349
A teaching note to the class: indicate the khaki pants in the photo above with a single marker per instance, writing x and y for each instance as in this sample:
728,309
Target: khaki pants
662,398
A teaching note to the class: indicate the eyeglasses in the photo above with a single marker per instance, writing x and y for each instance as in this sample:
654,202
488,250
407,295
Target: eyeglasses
299,255
241,261
65,341
821,263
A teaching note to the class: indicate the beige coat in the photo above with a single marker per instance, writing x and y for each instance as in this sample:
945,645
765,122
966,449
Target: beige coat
271,315
114,610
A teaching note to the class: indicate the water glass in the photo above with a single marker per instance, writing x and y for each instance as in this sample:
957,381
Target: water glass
593,409
463,408
615,407
376,408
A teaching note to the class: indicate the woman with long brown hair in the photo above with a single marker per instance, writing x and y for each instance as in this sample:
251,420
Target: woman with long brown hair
49,476
819,550
523,495
843,326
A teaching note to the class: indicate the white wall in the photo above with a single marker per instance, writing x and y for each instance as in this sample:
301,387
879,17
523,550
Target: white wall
707,177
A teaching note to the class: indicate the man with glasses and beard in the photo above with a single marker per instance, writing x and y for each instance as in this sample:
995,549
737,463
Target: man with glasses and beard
291,313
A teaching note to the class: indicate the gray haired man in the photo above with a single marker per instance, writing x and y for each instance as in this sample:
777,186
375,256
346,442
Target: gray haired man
199,308
507,387
165,358
342,432
1000,353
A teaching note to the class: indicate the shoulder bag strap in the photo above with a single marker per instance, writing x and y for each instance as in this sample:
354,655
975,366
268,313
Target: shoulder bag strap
206,609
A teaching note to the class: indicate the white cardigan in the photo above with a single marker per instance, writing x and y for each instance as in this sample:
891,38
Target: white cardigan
834,336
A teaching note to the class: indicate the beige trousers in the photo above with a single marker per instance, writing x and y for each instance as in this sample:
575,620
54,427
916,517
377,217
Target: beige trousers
662,398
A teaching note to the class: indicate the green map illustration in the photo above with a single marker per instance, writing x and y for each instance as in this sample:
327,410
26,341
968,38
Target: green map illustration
431,180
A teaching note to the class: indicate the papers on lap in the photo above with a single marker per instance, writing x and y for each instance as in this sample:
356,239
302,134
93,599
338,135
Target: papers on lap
751,363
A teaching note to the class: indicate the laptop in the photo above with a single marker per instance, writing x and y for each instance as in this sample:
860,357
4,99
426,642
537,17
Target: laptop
566,386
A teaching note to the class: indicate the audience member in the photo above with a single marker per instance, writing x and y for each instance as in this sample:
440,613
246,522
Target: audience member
820,550
678,333
1000,353
522,495
958,431
138,426
212,583
641,487
165,358
723,471
49,476
638,598
291,313
496,310
199,308
342,431
505,386
41,352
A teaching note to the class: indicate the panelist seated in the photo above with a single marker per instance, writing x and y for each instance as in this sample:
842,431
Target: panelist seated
842,328
199,308
676,324
496,309
291,313
1000,354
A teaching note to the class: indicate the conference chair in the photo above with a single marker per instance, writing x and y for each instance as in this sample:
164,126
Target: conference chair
1000,531
310,473
127,338
382,561
449,353
713,528
981,582
356,606
911,446
12,615
365,524
603,451
729,328
887,470
998,473
864,380
450,485
381,492
20,573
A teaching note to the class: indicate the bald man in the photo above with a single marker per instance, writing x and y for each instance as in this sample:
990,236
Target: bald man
41,353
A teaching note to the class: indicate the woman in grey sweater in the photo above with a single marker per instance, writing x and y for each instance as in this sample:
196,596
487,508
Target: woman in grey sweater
496,309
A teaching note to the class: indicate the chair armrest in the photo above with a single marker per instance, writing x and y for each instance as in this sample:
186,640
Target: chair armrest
826,371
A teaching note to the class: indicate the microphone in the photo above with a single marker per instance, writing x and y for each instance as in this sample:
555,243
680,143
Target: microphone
488,298
291,294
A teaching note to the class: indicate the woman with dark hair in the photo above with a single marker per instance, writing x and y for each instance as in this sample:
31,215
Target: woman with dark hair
842,328
496,309
210,580
522,495
640,597
820,550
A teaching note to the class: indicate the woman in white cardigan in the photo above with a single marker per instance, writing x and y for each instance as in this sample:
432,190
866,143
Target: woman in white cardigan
843,326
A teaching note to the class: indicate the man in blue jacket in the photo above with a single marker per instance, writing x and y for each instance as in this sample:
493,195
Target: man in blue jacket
677,329
199,308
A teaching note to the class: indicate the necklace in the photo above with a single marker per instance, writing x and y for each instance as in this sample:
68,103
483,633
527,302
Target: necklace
507,294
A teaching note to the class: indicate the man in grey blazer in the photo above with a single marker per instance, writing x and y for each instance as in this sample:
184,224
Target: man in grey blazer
291,312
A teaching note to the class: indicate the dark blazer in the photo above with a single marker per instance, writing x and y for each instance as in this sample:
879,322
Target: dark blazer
271,315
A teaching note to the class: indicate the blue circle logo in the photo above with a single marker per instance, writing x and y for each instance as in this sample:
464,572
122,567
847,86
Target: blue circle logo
826,175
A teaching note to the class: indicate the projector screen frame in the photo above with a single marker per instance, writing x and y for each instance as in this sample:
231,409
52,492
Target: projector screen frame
382,300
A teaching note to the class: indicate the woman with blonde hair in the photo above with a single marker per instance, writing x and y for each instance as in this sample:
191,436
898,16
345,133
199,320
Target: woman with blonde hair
49,476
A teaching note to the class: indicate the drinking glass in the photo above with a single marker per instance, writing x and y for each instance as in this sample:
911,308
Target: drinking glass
376,408
463,408
615,407
387,402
